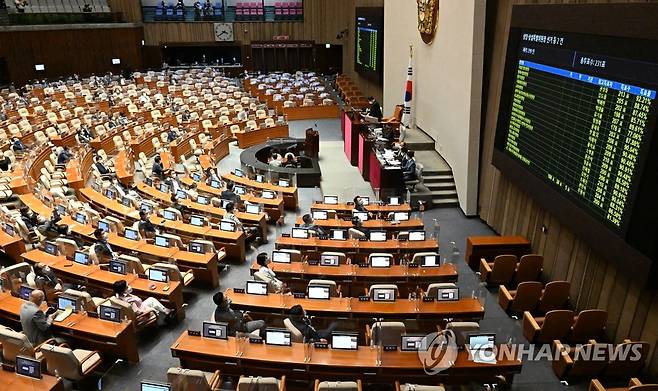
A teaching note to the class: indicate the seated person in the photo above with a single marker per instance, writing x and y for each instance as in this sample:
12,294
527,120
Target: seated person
409,169
124,292
191,192
357,224
263,261
178,206
102,169
51,229
375,109
358,205
84,135
158,169
146,228
5,163
251,232
46,279
238,321
102,246
29,218
212,176
228,194
309,224
17,145
290,161
64,156
171,134
302,322
275,160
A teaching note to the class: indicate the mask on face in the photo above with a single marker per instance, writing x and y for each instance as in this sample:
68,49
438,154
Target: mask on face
129,290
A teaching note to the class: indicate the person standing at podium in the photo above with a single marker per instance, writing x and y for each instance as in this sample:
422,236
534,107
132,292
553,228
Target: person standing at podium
375,109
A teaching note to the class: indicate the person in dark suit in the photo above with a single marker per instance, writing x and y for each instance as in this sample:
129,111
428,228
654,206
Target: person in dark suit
100,166
409,169
302,322
158,169
309,224
358,205
238,321
229,194
375,109
64,156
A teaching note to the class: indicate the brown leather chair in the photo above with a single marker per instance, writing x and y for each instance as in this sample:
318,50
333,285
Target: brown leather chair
623,359
589,324
529,268
554,297
74,365
500,271
193,380
583,361
390,333
524,298
555,325
633,385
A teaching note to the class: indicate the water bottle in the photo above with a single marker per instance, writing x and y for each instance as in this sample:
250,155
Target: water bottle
436,229
455,253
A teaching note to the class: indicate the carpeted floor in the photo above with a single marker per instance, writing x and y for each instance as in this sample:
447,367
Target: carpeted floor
341,179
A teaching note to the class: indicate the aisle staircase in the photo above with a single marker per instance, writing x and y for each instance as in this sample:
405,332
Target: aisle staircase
438,184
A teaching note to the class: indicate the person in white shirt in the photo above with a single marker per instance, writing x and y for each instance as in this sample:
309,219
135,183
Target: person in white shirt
279,286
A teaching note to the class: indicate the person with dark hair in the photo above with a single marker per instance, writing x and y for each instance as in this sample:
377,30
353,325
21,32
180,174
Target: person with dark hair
158,169
357,224
145,226
358,205
124,292
238,321
51,229
29,218
102,246
64,156
45,278
230,215
229,194
98,163
263,260
375,109
171,134
5,162
17,145
309,224
302,322
211,176
409,169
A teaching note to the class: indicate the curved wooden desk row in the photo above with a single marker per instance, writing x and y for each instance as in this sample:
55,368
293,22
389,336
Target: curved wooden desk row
357,249
411,224
465,308
289,193
204,266
346,209
114,339
273,207
234,242
210,211
354,273
247,138
268,360
16,382
95,278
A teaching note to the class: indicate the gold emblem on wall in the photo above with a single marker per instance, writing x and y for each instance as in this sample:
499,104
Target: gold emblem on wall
428,19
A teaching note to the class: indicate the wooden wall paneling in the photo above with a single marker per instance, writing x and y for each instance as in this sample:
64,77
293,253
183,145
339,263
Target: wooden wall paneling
565,243
130,10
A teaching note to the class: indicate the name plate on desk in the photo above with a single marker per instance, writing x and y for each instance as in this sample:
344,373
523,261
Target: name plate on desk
92,314
8,367
320,345
313,262
428,299
142,276
363,239
194,333
238,290
402,239
298,295
413,266
364,298
390,348
257,340
363,265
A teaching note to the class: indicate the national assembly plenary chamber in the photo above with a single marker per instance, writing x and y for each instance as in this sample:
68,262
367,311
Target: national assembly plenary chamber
317,195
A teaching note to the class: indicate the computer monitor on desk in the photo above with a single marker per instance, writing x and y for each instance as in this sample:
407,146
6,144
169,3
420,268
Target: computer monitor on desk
197,221
154,386
80,218
196,247
280,257
239,190
322,292
284,183
447,294
299,233
320,214
394,201
131,234
329,260
279,337
164,188
64,302
430,260
27,366
256,288
344,340
202,200
238,173
383,294
377,236
401,216
215,330
330,200
338,234
259,178
227,226
363,216
81,258
416,236
117,266
169,215
24,292
158,275
51,248
181,194
412,343
9,229
268,194
108,313
104,225
380,261
161,241
252,208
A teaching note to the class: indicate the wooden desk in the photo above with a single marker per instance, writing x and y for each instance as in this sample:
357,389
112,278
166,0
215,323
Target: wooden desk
489,247
94,278
379,224
311,112
356,249
274,207
204,266
210,211
289,193
14,382
355,279
124,168
13,246
253,137
110,338
345,209
351,307
268,360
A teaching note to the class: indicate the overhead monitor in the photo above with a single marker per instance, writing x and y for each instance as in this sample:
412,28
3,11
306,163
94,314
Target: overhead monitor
369,42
